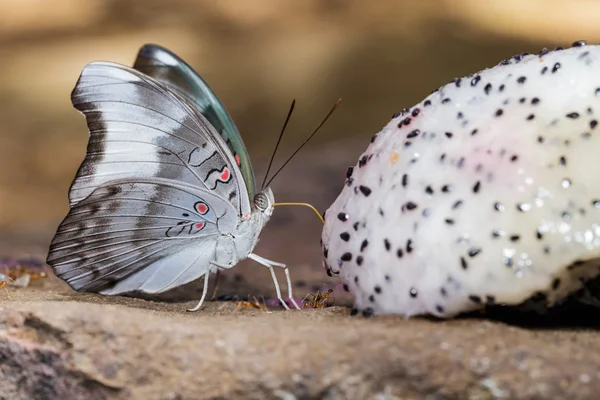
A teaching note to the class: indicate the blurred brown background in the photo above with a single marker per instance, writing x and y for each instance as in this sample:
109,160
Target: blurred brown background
379,56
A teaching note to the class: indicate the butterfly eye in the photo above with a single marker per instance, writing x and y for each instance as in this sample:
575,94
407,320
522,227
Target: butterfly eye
261,202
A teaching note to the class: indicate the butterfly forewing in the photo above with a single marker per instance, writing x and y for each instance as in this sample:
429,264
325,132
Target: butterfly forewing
140,129
139,235
168,68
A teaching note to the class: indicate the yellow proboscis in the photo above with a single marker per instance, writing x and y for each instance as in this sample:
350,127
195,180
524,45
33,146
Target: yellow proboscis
304,205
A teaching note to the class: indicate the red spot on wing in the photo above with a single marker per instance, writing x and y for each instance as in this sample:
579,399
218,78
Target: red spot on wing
200,225
237,160
225,175
201,208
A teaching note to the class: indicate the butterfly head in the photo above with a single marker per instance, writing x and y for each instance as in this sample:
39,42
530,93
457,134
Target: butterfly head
263,201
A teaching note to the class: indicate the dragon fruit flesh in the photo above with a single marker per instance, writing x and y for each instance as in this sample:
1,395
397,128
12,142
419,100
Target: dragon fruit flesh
485,193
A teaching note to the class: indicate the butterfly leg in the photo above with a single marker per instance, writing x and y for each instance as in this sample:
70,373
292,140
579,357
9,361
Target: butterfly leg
270,264
214,293
204,291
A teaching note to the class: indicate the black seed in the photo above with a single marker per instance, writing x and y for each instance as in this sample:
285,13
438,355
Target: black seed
457,81
530,117
343,217
474,132
373,138
544,70
563,161
439,308
476,187
499,112
487,88
426,103
359,260
349,172
409,246
413,292
399,253
377,289
396,115
404,180
364,244
411,206
413,134
363,161
428,190
346,257
387,278
355,226
446,188
501,88
475,80
449,221
555,283
490,299
449,135
475,299
345,236
473,251
535,101
346,288
406,121
540,139
356,279
354,311
372,298
387,244
514,158
522,100
573,115
365,190
415,112
593,124
443,292
539,234
556,67
367,312
521,79
457,204
579,43
463,263
325,252
515,238
381,211
446,100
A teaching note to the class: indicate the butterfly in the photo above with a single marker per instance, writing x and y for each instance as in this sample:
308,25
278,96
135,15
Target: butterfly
166,193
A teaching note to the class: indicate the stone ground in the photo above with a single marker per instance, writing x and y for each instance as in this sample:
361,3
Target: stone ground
55,343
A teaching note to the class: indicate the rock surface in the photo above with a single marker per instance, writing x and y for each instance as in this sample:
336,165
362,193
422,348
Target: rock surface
55,343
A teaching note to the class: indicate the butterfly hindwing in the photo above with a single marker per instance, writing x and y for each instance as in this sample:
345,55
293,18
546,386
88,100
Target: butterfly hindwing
137,235
140,129
168,68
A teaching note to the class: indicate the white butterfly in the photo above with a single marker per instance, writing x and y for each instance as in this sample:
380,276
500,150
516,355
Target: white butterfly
166,193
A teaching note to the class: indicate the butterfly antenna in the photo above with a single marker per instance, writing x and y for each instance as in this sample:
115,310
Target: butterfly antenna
287,119
337,103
